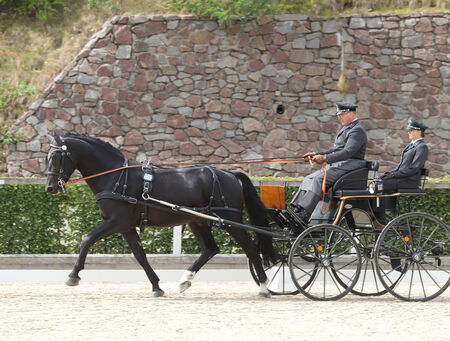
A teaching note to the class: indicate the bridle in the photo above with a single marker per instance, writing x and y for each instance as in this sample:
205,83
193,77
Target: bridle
64,156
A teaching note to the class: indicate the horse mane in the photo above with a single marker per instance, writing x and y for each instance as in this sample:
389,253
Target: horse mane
96,141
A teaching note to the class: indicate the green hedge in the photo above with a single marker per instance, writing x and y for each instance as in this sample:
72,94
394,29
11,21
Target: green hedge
34,222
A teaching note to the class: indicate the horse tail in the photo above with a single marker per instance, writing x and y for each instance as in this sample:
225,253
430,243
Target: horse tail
258,216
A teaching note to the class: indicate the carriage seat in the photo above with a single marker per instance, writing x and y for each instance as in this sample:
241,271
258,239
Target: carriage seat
355,181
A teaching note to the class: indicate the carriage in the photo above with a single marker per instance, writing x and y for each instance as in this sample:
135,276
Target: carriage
348,249
343,249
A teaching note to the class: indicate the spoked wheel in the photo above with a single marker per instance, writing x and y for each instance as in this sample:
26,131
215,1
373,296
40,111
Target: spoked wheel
363,230
318,256
280,282
412,256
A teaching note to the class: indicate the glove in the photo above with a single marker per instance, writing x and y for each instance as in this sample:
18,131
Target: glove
386,176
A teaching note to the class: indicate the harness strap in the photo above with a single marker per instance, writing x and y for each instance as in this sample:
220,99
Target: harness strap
216,182
116,196
148,179
124,187
131,200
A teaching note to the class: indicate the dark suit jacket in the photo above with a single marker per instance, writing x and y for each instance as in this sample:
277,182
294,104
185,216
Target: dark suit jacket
408,172
350,143
347,154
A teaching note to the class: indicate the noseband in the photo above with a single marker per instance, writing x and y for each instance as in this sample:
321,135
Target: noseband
64,155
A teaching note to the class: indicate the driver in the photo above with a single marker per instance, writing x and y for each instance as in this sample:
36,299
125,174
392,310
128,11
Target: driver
347,154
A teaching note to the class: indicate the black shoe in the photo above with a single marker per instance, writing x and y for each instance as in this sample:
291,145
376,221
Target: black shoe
382,219
302,214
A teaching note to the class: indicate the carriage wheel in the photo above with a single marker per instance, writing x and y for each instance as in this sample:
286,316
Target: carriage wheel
412,256
318,254
361,226
280,282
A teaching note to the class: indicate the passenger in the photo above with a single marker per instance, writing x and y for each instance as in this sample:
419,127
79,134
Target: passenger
408,172
347,154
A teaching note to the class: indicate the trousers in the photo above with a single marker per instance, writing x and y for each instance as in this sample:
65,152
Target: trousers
310,192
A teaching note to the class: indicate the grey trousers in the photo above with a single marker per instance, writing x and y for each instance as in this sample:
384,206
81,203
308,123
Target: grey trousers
310,193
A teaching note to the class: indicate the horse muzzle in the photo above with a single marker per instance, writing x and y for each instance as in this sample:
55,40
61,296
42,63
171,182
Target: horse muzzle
52,189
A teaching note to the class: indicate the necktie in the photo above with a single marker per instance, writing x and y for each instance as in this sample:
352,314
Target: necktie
409,146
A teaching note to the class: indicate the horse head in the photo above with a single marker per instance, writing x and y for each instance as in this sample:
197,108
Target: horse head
60,164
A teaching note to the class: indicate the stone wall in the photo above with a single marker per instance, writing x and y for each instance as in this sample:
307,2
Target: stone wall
185,89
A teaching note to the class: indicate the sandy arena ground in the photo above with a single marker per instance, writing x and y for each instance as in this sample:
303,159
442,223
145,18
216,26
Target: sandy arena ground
208,311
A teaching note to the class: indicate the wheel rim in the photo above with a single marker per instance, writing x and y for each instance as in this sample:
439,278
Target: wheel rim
318,254
413,257
360,225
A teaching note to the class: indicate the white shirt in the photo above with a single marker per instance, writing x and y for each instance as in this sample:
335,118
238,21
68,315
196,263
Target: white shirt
414,141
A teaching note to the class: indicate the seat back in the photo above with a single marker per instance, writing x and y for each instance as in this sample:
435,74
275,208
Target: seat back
355,179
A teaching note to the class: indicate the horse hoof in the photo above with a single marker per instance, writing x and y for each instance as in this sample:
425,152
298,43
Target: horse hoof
265,294
184,286
73,281
157,293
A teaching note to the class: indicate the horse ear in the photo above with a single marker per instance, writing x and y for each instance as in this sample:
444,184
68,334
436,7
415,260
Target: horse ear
58,139
51,139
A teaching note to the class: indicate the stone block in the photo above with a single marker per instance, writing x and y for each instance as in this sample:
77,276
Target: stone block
357,22
149,28
413,41
240,108
301,56
123,52
201,37
122,34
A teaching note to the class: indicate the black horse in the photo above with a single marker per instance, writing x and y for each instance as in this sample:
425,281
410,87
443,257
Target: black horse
199,187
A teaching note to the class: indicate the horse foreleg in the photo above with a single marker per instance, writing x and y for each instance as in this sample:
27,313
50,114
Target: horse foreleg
202,233
135,244
102,231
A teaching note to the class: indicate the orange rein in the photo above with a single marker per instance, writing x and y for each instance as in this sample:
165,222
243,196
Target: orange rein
190,164
99,174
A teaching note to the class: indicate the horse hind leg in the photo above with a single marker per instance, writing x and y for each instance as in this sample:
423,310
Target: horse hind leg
250,249
135,244
202,233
